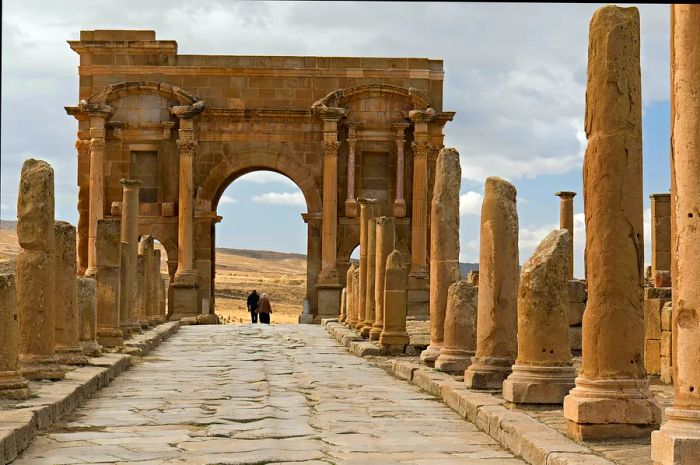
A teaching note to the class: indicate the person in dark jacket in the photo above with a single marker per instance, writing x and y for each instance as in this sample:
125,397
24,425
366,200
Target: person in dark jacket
264,309
253,300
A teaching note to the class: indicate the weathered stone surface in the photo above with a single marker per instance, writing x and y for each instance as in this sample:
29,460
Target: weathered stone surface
566,221
543,372
366,212
146,308
35,206
12,384
444,245
459,343
660,234
129,236
384,245
87,313
351,317
396,276
662,279
68,350
343,304
370,279
611,397
496,346
107,278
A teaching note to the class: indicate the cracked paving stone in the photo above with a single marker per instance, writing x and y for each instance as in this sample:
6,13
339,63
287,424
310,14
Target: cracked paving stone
251,395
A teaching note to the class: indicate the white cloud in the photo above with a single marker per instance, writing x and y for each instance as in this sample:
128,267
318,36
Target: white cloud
529,238
470,203
265,177
280,198
227,199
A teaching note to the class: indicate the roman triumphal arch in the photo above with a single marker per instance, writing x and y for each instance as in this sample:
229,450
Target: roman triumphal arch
186,126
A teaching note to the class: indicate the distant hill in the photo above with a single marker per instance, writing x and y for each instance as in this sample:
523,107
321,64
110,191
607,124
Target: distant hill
465,268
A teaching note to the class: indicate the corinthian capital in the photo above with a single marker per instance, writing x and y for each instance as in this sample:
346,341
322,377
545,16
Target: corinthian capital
422,148
186,145
330,148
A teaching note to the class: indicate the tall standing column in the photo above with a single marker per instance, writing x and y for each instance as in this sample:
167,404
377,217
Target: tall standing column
328,283
611,397
497,313
399,201
68,350
444,246
566,221
145,273
12,383
370,316
185,288
129,243
97,199
83,148
35,272
660,233
678,441
366,212
384,245
107,277
350,202
156,317
350,317
313,261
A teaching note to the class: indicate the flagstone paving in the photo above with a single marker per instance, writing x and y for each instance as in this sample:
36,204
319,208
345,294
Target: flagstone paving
244,394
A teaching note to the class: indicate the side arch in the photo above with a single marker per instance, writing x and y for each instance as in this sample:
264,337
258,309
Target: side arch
231,168
122,89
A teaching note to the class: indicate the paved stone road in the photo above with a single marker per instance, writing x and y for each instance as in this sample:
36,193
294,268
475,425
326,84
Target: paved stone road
255,395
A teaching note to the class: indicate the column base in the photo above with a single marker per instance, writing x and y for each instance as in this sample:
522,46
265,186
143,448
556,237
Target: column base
351,208
36,368
429,355
678,440
399,208
538,384
110,337
306,319
90,272
387,339
488,373
375,332
91,348
70,355
329,301
610,408
185,301
454,360
127,332
13,386
364,331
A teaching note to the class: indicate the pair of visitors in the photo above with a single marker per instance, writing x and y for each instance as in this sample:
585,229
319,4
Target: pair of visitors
259,306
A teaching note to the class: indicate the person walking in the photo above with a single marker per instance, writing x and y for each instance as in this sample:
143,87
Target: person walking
253,300
264,309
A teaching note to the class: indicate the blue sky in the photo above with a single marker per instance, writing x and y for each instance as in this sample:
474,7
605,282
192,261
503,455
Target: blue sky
515,75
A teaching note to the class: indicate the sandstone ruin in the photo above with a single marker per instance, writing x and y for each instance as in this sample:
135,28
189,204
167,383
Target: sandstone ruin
459,342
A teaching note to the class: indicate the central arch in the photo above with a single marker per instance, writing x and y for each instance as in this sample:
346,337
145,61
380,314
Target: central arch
227,172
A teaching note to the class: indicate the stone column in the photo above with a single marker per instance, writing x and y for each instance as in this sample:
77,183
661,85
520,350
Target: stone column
343,305
313,261
611,397
366,212
349,295
129,243
185,284
156,317
660,233
350,202
355,294
12,383
67,323
395,278
399,201
497,314
678,441
83,148
444,246
162,299
98,117
144,271
87,312
566,221
460,329
384,244
109,333
543,373
35,272
370,277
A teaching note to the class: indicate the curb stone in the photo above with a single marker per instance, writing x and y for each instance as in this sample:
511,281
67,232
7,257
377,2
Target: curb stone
524,436
52,401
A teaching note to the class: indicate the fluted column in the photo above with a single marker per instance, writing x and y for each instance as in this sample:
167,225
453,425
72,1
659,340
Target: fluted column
419,218
678,441
350,202
566,221
97,148
330,213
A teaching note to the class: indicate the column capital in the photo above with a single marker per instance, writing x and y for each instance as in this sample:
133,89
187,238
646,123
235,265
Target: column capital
421,149
186,146
311,217
330,148
130,183
565,194
82,146
661,197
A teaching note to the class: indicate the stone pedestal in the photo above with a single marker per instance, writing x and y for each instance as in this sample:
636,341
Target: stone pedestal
370,303
444,246
678,440
611,397
109,333
496,345
35,277
12,383
384,245
68,350
328,301
394,331
543,373
87,313
460,329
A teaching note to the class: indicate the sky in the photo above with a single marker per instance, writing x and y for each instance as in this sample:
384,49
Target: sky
515,75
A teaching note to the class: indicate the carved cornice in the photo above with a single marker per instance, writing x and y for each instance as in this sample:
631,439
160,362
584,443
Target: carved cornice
421,116
188,111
